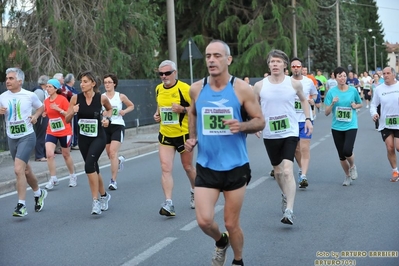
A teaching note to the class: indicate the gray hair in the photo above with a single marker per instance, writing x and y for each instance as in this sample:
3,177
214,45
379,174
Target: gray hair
168,63
19,73
226,47
279,54
68,78
42,80
393,71
58,76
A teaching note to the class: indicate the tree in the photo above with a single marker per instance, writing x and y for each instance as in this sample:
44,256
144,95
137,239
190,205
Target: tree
250,27
101,35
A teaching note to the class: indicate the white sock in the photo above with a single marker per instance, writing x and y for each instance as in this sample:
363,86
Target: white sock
37,193
395,170
22,202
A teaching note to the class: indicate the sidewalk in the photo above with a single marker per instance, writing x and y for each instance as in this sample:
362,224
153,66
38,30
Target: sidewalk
137,141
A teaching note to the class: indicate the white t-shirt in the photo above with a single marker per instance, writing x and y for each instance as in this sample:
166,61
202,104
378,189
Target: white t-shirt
367,83
308,90
388,97
19,107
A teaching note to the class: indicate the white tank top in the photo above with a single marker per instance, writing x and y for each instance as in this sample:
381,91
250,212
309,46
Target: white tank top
278,108
116,104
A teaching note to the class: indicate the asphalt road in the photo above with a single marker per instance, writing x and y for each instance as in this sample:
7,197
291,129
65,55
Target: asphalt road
350,223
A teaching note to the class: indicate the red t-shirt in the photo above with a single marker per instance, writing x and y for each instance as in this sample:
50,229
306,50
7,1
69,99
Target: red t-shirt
57,126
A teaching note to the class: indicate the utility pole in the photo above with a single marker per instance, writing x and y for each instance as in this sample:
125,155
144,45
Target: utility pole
365,53
375,55
356,60
294,28
338,37
171,28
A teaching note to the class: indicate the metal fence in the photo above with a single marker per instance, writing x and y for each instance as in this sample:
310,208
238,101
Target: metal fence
140,92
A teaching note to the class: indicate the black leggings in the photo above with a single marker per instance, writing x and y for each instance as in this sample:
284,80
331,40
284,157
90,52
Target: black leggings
91,149
344,142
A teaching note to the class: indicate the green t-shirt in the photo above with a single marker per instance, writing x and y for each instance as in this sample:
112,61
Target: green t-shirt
322,80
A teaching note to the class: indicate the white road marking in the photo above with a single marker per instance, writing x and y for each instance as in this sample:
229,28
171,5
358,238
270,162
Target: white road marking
259,181
80,173
150,251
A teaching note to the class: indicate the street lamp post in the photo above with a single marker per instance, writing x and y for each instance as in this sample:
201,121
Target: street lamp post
375,54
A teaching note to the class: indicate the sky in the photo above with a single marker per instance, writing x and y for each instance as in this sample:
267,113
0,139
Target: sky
388,11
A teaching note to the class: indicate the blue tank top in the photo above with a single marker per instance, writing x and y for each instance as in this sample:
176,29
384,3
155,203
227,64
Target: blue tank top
218,148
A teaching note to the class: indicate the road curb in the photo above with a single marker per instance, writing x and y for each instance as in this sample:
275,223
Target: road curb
146,145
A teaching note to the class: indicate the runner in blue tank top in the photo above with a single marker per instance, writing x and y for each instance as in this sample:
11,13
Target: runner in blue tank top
217,120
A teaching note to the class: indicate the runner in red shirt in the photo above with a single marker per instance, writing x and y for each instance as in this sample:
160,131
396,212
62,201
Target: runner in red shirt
55,107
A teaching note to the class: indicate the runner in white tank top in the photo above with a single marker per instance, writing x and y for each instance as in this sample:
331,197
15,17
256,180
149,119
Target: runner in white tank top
115,132
277,95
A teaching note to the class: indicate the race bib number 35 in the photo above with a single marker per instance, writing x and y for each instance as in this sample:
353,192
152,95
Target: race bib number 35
212,120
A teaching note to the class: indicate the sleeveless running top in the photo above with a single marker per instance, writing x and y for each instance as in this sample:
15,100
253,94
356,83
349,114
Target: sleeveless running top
278,108
218,148
116,104
89,116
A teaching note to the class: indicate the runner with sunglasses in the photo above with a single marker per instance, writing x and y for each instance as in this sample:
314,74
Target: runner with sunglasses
173,103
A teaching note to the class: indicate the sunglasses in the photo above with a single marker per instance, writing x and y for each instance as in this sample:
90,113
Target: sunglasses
296,66
167,73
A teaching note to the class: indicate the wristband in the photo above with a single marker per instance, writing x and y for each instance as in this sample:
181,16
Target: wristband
307,118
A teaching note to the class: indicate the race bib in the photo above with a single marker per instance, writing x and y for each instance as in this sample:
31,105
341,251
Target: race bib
212,120
298,106
168,117
343,114
279,124
392,121
56,124
115,111
88,127
18,128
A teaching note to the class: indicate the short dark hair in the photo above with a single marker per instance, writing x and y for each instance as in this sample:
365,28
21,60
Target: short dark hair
113,77
296,59
340,70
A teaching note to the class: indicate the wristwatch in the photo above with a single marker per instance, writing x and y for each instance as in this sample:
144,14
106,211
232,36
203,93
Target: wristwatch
184,110
307,118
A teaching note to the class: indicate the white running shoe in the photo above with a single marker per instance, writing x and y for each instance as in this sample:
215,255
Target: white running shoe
73,181
51,183
104,202
347,181
121,159
353,172
96,207
113,185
